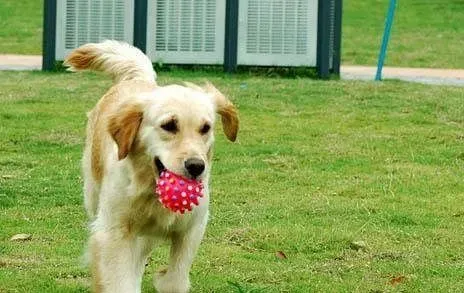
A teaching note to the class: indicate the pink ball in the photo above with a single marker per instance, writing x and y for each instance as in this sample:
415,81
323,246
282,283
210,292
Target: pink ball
177,193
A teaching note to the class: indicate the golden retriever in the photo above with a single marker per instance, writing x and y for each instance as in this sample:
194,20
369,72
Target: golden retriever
135,131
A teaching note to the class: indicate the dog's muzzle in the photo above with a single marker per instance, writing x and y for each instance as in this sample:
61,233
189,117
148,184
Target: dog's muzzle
159,165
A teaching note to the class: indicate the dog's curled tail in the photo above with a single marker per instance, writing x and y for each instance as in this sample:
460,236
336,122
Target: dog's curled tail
120,60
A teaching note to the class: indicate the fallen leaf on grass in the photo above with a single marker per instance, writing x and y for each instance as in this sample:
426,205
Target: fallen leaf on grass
280,255
21,237
358,245
396,280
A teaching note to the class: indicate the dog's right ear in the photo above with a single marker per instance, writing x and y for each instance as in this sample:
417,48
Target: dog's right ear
123,127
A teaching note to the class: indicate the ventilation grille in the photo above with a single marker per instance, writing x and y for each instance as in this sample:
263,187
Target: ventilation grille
185,25
92,21
186,31
270,30
277,27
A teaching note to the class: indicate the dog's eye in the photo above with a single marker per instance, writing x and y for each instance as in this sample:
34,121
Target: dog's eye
205,129
170,126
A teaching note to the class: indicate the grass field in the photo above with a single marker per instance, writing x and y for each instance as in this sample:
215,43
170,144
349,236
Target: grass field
21,27
425,33
318,166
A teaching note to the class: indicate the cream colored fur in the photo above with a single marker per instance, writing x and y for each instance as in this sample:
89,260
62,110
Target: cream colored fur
120,60
124,136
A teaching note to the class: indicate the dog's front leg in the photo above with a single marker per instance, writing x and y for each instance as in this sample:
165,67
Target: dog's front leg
118,262
175,279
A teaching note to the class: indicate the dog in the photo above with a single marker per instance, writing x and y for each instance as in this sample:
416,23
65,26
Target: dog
135,131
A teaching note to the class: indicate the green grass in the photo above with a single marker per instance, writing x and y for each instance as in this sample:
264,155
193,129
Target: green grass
21,27
318,165
425,33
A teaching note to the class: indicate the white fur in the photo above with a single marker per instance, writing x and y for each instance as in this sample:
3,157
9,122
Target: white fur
127,219
120,60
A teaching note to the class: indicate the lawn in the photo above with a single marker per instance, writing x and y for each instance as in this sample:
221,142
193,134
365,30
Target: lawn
425,33
336,186
21,26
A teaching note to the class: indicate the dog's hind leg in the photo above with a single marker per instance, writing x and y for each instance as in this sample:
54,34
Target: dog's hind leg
91,188
90,198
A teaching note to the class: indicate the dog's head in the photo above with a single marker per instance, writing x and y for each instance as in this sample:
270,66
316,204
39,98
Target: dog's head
173,126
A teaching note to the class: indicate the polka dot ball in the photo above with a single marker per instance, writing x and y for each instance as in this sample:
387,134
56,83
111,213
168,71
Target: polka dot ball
177,193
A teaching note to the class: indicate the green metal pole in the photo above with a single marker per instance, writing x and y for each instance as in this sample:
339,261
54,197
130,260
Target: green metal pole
323,39
231,36
386,37
140,24
337,37
49,35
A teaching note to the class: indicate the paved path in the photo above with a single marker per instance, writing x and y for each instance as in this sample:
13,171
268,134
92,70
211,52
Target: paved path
422,75
20,62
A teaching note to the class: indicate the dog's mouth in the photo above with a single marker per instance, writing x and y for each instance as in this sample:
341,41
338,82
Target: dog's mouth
159,166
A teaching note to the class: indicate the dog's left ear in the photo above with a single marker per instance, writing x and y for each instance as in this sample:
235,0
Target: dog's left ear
227,110
224,107
123,127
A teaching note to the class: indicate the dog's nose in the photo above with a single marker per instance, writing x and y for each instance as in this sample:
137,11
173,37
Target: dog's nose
195,166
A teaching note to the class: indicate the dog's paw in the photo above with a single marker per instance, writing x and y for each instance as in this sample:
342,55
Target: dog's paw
166,282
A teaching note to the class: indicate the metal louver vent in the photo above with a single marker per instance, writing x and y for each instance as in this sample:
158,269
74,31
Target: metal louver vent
91,21
277,32
186,31
85,21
